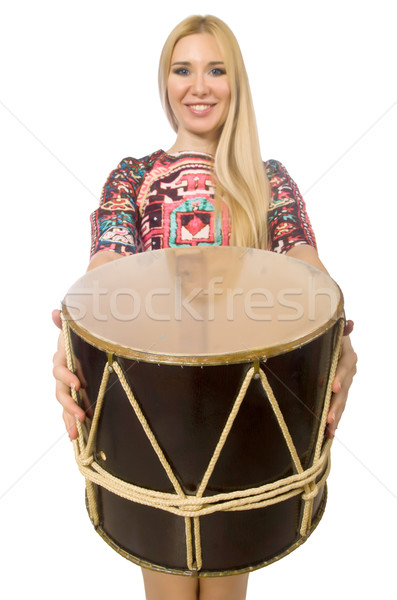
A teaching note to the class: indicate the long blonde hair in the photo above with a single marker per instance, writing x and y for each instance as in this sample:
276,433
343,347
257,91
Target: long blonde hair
239,172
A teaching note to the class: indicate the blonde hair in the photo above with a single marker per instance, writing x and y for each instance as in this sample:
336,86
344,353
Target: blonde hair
241,181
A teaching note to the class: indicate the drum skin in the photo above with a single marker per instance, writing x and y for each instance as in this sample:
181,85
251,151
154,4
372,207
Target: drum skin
187,407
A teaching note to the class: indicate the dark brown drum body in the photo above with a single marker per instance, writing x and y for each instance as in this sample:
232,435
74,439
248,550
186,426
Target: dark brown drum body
209,371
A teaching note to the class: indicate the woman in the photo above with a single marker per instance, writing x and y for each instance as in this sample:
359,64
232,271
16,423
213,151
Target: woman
210,187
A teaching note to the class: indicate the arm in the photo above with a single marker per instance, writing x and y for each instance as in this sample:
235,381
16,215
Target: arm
102,258
291,233
113,228
288,222
65,379
348,359
308,254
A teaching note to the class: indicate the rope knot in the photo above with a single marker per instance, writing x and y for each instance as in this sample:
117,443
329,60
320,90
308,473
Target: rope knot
86,462
191,507
312,494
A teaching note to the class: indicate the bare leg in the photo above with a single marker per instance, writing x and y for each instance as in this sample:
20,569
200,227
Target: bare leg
160,586
233,587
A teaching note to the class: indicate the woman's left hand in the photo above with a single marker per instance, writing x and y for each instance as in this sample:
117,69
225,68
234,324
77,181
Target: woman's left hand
345,372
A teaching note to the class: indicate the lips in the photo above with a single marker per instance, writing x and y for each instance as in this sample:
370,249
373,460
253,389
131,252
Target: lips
200,109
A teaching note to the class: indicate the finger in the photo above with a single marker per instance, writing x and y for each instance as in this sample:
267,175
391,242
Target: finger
63,375
332,424
63,396
348,327
344,374
70,425
56,317
346,369
331,430
337,407
61,345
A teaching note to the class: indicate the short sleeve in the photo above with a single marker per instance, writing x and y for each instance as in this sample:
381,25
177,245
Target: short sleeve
114,223
288,221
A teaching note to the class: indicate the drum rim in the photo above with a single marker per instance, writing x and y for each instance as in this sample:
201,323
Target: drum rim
242,356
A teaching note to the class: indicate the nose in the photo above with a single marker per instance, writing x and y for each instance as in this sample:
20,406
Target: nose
200,85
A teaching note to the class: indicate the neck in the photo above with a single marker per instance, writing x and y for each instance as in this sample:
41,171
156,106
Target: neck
191,143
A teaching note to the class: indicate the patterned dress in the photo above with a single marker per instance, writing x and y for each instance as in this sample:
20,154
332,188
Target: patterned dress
164,201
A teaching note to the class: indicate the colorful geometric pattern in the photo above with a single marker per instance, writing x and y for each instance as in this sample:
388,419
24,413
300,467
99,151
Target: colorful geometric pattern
288,222
163,201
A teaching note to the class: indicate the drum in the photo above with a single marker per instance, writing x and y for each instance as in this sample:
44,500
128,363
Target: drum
209,372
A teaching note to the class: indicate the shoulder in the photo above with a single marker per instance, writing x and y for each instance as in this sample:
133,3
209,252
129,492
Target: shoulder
139,166
130,172
275,171
283,187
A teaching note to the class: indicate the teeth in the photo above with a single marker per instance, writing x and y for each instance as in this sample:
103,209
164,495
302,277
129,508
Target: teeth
200,106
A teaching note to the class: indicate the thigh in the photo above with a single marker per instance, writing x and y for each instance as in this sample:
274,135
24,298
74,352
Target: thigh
233,587
161,586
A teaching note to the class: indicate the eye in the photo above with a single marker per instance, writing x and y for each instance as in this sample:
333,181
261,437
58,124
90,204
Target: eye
181,71
217,71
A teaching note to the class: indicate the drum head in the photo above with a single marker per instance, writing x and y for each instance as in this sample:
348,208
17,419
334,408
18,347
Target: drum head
203,305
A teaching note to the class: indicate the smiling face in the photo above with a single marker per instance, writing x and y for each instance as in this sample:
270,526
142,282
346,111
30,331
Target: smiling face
198,92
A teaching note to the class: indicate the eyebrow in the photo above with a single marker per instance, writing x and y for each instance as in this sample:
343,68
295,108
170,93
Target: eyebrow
186,63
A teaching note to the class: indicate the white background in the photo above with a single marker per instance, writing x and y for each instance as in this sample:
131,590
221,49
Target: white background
78,92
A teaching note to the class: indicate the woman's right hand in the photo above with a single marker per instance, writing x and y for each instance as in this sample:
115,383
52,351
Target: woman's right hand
65,380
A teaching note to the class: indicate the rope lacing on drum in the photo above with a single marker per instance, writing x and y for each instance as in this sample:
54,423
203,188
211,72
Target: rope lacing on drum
305,482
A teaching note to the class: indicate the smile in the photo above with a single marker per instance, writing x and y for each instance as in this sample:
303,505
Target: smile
200,109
